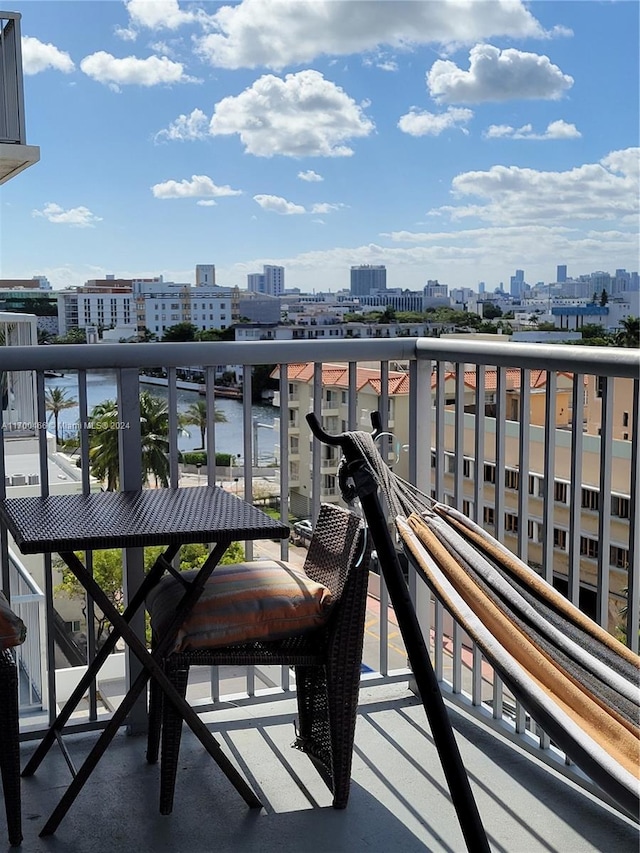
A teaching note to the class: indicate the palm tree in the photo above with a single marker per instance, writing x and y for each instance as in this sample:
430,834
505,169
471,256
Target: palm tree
196,415
154,430
629,333
103,444
56,401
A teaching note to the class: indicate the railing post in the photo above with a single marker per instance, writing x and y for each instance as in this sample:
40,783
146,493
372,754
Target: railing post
130,461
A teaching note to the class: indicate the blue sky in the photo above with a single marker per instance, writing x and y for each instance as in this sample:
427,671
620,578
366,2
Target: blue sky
449,140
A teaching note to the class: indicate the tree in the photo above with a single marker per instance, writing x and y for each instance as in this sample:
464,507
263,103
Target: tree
491,311
629,333
604,297
56,401
75,335
181,332
103,444
196,415
103,441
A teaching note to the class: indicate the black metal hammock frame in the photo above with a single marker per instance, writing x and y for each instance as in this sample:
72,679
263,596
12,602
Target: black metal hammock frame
576,680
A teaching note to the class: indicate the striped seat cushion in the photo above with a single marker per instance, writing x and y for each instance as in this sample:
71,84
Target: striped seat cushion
12,629
262,600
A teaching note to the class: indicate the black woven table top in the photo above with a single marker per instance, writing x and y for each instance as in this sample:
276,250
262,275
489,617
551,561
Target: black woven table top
134,519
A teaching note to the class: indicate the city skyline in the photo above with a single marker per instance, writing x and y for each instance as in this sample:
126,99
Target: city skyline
442,143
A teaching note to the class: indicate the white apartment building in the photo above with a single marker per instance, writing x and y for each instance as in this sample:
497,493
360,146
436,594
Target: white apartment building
99,307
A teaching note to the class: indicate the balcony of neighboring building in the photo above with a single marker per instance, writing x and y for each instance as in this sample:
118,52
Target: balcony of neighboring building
15,154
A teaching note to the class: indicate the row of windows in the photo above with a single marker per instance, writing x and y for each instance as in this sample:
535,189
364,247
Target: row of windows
589,547
589,498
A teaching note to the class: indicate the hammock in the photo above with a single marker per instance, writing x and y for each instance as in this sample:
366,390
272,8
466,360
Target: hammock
576,680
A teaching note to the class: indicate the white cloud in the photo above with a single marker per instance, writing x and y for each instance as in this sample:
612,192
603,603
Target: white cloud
310,176
186,127
152,71
604,191
207,202
555,130
38,56
303,115
78,217
324,207
200,186
276,204
158,14
277,33
496,75
388,65
422,123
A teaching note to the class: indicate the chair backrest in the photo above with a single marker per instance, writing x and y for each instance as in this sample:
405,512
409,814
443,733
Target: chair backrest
338,547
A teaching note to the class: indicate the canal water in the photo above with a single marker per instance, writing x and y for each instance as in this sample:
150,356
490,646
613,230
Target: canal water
229,434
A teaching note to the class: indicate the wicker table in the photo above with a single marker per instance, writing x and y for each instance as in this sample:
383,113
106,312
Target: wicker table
168,517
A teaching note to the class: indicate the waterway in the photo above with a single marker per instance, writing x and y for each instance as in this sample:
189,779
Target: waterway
229,434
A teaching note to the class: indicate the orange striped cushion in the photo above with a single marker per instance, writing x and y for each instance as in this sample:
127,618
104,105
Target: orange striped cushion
12,629
262,600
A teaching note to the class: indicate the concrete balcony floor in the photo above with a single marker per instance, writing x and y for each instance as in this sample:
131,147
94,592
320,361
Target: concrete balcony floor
399,798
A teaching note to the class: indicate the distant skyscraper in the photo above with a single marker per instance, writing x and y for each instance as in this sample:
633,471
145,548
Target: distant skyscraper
481,287
366,278
270,281
561,273
516,284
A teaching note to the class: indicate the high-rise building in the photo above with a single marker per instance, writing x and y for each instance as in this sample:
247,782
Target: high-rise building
270,281
516,284
561,273
273,280
481,286
205,275
366,278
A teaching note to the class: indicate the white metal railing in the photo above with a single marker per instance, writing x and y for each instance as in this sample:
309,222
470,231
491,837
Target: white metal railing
454,447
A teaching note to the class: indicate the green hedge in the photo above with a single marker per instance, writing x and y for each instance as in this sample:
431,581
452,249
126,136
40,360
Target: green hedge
199,457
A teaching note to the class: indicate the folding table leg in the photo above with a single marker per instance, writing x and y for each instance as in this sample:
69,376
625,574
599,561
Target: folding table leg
96,664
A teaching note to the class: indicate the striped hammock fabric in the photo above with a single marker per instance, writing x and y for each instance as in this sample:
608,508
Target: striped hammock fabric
577,681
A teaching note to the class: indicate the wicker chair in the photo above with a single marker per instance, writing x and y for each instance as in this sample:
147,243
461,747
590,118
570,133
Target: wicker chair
10,745
327,663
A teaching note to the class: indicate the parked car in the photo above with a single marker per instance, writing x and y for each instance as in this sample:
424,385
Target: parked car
302,532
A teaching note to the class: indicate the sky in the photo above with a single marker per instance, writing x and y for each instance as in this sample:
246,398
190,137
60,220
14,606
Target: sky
454,140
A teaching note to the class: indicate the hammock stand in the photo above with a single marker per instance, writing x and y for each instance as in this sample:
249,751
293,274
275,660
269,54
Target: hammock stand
363,474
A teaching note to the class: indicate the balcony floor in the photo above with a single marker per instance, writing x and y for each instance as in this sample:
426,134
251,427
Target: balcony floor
399,799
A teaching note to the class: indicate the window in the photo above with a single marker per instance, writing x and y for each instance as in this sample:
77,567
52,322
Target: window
489,473
534,531
536,486
600,380
560,539
589,547
72,627
619,506
433,460
450,463
329,484
619,557
560,492
590,499
512,479
468,508
489,515
294,444
625,419
467,468
511,522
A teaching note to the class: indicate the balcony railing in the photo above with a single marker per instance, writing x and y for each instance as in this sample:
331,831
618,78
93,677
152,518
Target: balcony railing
450,441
